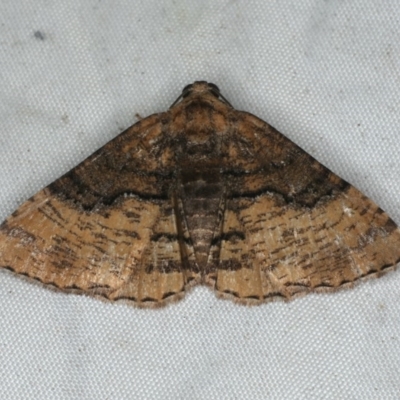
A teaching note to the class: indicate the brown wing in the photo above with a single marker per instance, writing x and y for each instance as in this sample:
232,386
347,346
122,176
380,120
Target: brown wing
109,227
291,226
202,193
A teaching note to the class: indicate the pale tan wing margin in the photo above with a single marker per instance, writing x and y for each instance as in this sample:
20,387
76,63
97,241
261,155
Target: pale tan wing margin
132,252
323,248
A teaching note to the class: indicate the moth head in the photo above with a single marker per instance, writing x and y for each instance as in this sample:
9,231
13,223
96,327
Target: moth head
201,88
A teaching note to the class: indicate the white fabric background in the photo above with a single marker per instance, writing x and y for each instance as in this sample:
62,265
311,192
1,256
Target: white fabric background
325,73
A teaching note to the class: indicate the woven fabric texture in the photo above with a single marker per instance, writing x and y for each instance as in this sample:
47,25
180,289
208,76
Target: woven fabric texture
74,74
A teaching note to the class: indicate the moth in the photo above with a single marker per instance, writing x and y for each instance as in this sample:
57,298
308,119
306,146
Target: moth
199,194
